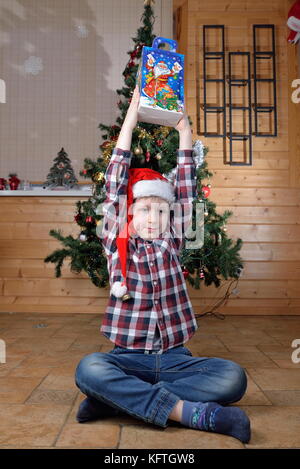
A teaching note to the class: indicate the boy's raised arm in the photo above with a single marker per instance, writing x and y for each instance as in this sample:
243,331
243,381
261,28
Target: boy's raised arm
185,181
116,181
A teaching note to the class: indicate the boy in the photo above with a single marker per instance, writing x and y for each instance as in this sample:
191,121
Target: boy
150,374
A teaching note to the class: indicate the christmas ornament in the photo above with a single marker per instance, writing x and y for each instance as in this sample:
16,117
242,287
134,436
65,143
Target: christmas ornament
138,150
201,274
158,156
89,219
148,154
98,177
185,272
82,237
206,191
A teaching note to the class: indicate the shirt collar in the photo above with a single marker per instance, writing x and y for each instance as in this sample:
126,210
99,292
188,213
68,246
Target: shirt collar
162,241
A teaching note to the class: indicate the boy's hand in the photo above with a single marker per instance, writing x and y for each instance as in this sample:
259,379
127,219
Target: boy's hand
132,111
183,125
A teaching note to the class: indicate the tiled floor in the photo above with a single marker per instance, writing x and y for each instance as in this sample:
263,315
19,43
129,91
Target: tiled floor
39,399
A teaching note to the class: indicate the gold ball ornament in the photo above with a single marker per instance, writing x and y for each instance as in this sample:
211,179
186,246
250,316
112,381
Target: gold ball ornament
158,156
138,150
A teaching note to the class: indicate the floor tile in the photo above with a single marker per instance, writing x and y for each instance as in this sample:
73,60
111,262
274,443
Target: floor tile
144,437
89,436
274,426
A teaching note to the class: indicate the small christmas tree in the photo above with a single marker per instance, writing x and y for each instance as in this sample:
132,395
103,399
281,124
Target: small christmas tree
61,174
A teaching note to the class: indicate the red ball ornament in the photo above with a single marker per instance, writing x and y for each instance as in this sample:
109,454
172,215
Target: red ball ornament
206,191
77,218
185,273
148,154
159,142
89,219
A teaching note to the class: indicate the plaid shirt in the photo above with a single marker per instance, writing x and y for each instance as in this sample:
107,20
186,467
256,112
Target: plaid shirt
159,316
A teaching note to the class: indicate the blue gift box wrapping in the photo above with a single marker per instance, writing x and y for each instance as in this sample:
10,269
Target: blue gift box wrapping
160,78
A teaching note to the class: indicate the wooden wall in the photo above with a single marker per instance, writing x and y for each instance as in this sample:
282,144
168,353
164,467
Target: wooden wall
264,198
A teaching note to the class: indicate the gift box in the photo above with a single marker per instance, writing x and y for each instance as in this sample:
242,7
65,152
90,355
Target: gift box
160,78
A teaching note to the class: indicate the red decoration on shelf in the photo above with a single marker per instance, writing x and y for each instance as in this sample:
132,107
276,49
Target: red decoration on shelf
14,181
3,183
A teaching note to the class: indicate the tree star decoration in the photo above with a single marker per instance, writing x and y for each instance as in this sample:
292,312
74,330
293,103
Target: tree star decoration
198,153
149,3
33,65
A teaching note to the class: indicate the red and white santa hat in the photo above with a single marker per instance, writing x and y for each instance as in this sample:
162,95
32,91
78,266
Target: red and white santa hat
293,23
142,182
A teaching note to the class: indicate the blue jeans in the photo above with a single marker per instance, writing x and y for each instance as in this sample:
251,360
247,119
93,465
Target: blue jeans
148,386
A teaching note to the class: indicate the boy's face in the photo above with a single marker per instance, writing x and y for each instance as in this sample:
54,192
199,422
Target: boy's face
150,216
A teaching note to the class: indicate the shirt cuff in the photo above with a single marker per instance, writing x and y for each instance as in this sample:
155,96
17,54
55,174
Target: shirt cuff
185,156
118,154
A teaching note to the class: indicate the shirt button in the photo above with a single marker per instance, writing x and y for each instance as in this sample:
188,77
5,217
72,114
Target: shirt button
148,246
151,263
155,282
156,302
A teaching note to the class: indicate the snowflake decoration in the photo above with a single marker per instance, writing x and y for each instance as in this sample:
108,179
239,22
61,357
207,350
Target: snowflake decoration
33,65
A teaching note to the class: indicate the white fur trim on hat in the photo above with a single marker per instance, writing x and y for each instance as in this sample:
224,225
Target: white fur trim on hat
118,290
154,187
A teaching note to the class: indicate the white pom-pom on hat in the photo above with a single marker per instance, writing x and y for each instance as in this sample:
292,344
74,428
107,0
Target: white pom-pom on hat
118,289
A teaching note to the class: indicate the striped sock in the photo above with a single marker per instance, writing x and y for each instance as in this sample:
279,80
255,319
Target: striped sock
212,417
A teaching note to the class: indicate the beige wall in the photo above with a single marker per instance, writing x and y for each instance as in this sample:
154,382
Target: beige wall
82,46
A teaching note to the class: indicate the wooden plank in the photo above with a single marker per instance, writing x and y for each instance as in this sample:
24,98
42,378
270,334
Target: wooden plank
251,196
259,215
270,251
286,234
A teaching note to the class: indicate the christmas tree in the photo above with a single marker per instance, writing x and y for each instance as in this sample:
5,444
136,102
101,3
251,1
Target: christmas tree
153,146
61,174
